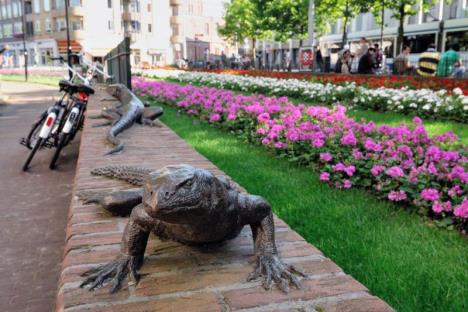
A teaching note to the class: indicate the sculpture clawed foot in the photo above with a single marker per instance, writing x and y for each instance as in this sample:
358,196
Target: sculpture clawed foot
114,272
271,268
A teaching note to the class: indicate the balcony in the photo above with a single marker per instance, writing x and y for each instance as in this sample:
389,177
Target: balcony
72,11
176,19
176,2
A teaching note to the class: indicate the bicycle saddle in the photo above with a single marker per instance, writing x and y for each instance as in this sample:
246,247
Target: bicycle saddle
85,89
67,86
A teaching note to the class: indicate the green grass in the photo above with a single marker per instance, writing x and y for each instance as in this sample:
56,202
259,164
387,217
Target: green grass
399,257
46,80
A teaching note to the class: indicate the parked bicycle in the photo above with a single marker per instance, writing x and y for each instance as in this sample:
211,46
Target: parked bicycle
58,125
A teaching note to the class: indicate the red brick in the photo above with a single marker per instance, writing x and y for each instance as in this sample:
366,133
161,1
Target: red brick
89,228
370,304
76,257
93,240
77,296
204,302
192,280
311,289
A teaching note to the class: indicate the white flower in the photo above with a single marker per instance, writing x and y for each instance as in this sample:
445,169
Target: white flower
426,107
458,91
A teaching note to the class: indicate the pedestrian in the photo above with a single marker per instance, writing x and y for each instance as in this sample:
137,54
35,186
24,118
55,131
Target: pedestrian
363,47
378,56
223,59
402,64
346,62
319,59
450,63
233,61
428,61
367,62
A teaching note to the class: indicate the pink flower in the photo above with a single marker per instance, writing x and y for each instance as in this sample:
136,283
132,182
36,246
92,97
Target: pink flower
264,117
347,184
280,145
430,194
326,157
377,169
395,172
437,207
339,167
215,117
397,195
350,170
349,138
324,176
455,191
461,210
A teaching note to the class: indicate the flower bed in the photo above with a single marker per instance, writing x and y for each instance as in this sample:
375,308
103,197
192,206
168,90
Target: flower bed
401,164
369,81
41,71
423,102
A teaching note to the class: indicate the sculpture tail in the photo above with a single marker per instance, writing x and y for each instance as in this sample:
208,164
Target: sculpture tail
133,175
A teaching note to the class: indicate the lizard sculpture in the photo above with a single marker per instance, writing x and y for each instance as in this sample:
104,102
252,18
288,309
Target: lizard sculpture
191,206
123,116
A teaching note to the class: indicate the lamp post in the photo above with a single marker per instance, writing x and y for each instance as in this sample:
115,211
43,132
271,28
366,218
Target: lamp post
70,74
25,52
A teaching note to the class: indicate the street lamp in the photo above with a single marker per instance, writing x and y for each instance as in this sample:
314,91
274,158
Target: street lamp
70,74
25,52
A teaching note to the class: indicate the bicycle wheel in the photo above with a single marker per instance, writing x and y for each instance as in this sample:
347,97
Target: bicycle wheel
33,135
32,153
63,141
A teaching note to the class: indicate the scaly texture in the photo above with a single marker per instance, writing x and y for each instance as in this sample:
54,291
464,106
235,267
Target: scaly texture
191,206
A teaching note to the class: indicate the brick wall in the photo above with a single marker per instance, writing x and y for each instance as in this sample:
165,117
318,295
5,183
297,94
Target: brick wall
177,277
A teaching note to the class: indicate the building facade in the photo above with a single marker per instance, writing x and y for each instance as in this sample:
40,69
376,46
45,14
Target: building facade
161,31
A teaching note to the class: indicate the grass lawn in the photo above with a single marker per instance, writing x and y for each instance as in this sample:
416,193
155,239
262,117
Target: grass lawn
399,257
47,80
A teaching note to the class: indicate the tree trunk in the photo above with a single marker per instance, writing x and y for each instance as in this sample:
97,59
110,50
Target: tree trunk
401,29
345,25
254,52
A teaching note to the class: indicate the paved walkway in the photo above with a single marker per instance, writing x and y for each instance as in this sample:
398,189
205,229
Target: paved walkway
33,205
180,278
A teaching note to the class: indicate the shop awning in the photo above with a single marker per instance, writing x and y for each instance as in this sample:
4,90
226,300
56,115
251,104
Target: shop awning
62,46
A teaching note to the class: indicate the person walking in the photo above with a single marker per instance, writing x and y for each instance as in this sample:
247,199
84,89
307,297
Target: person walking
451,64
428,61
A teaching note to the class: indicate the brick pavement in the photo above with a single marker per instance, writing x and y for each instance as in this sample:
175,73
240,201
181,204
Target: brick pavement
33,205
177,277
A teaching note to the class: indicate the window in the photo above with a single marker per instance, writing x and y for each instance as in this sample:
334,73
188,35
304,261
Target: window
17,27
8,30
46,5
109,4
59,4
149,7
77,24
1,32
48,25
110,25
60,24
175,30
149,28
8,8
75,3
175,10
37,27
14,7
207,29
37,6
135,26
29,29
135,6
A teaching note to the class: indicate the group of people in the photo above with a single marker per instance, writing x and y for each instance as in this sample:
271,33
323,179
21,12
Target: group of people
431,63
368,60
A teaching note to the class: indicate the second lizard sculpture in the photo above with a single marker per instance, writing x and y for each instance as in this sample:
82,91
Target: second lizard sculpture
130,110
191,206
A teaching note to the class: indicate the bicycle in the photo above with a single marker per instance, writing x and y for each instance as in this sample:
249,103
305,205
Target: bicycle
45,132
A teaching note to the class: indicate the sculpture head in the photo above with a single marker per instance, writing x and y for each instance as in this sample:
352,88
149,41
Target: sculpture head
183,194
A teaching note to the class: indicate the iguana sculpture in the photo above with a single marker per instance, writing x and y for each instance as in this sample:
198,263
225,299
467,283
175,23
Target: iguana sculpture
191,206
123,116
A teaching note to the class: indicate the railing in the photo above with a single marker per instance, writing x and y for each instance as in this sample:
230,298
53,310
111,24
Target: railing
118,63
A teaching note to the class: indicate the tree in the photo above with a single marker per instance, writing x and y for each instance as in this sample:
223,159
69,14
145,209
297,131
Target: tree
243,20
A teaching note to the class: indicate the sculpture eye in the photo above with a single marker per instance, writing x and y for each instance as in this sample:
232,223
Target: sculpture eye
188,184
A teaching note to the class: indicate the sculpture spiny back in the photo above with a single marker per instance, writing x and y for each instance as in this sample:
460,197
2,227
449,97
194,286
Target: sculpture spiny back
133,175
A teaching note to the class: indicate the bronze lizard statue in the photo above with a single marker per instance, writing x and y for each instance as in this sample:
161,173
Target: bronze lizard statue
123,116
191,206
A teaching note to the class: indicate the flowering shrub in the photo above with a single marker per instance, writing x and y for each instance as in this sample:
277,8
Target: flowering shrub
423,102
369,81
401,164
